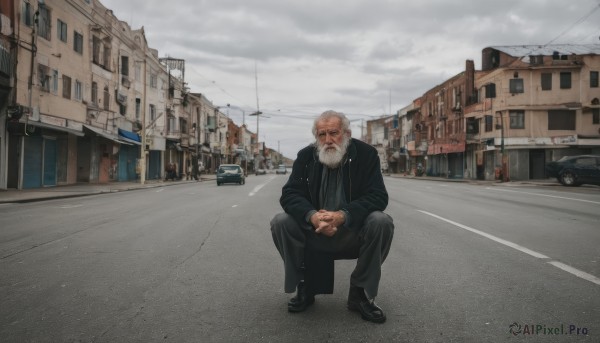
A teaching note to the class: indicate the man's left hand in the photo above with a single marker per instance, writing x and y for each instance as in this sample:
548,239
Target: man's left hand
330,222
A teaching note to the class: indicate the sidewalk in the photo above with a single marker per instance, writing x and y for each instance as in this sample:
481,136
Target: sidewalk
539,182
83,189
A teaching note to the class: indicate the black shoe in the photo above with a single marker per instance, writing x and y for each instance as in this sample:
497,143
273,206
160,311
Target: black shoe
302,300
357,301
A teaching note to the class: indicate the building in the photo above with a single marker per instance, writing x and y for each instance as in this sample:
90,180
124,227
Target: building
380,134
442,121
531,105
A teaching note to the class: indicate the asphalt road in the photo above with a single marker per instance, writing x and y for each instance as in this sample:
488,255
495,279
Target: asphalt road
196,263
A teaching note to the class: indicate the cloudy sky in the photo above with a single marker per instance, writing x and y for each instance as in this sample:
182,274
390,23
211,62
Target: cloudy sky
365,58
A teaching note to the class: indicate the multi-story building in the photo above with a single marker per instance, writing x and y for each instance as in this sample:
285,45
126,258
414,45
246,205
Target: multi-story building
8,52
405,131
527,106
443,122
86,84
90,101
531,105
385,134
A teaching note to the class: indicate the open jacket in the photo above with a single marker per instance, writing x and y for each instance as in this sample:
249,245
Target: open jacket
362,179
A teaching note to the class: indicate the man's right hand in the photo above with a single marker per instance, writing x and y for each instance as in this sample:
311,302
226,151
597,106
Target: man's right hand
323,224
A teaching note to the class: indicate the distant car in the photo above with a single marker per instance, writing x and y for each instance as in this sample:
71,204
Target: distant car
575,170
230,173
281,170
261,171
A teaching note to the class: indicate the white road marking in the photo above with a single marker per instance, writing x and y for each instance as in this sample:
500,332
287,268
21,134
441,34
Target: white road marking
71,206
160,190
543,195
576,272
234,206
257,188
560,265
487,235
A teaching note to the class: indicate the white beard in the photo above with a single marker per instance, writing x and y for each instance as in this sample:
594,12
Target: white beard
332,158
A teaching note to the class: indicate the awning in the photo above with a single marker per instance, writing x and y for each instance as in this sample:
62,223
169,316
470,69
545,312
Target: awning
106,135
130,137
53,127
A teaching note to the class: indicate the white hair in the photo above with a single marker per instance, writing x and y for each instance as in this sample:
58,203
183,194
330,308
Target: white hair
333,114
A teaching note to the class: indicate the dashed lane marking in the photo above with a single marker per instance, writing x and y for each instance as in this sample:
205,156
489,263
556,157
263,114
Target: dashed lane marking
257,188
544,195
560,265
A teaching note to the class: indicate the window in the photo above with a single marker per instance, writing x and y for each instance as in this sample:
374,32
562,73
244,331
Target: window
183,125
54,86
565,80
138,103
489,123
106,57
516,86
44,77
586,161
153,81
106,99
595,115
61,30
561,120
78,90
78,42
101,53
27,14
125,65
44,22
517,119
66,87
171,127
94,93
138,71
546,81
152,112
122,109
96,44
593,79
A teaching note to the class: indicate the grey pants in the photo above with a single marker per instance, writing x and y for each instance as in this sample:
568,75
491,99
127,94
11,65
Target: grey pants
372,243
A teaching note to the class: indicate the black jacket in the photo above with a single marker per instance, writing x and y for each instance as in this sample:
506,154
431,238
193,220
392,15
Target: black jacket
363,184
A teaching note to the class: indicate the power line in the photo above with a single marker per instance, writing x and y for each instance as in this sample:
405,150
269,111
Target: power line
579,21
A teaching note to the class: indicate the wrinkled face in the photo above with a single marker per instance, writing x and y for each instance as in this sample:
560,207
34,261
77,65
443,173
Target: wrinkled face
329,132
332,141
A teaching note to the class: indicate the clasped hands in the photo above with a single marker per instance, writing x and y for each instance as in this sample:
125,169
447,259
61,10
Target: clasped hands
327,222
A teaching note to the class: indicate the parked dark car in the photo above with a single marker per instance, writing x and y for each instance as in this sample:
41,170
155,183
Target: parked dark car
575,170
230,173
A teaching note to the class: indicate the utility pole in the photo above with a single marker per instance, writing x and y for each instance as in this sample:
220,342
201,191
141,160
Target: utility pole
143,149
34,26
196,164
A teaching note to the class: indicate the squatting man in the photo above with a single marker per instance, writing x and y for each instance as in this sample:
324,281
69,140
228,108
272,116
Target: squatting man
333,206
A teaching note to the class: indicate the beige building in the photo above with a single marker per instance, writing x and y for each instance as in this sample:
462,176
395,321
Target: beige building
87,99
532,105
